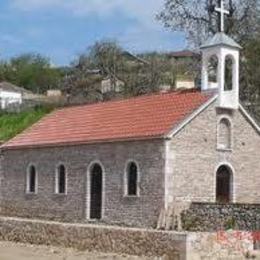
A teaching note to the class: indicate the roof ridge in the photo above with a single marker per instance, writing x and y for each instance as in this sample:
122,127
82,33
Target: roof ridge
172,92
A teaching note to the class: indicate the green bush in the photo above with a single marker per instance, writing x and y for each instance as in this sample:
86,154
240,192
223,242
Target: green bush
230,223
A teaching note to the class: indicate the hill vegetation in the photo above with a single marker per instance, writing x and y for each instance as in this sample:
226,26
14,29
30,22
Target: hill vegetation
12,124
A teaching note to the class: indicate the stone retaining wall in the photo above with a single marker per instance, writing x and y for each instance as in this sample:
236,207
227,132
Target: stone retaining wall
140,242
214,217
132,241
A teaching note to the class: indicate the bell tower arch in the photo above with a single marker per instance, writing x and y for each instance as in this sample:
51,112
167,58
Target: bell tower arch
227,52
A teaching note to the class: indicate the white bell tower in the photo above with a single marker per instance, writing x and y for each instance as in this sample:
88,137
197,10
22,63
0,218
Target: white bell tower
225,50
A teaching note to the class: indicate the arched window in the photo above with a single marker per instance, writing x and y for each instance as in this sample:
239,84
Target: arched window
31,181
96,191
213,69
132,180
224,134
228,73
61,180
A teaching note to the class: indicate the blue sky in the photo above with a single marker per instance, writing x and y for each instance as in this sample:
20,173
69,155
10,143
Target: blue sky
61,29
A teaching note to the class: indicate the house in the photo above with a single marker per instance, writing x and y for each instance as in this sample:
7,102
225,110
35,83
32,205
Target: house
109,85
185,83
11,95
124,162
184,55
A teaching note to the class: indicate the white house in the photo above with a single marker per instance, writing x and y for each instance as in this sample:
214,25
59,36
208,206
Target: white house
11,95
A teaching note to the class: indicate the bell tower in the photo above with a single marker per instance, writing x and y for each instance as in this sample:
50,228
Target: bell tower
226,51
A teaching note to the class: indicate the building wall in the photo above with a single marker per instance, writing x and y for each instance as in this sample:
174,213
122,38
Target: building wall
195,158
184,84
130,211
9,98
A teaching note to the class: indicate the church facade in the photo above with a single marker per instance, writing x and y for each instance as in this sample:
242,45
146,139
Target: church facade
124,162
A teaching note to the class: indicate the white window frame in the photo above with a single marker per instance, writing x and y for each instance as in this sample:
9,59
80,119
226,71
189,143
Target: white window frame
28,172
56,187
126,193
88,190
233,194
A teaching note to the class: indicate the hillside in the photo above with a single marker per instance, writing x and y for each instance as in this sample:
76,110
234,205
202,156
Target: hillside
12,124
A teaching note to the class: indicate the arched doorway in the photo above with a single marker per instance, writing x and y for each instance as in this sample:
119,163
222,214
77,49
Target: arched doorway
224,187
96,191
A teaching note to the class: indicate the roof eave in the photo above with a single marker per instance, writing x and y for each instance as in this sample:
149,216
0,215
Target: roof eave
77,143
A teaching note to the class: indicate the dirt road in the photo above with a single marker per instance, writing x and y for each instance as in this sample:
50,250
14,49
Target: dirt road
13,251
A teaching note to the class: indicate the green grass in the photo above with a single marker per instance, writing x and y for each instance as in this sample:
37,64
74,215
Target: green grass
12,124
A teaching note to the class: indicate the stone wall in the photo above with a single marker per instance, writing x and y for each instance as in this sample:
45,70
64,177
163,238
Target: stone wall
196,157
131,241
215,217
118,209
106,239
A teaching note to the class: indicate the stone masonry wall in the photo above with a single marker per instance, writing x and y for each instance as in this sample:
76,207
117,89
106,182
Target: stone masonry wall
214,217
118,209
104,239
131,241
195,158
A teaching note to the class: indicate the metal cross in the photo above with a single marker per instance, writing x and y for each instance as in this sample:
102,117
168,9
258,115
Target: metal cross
221,10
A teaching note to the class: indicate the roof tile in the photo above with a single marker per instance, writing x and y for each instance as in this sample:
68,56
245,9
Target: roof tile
147,116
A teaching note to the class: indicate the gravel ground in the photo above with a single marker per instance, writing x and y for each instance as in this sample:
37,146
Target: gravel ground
16,251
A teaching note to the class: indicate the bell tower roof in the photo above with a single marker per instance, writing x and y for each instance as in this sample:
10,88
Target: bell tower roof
220,39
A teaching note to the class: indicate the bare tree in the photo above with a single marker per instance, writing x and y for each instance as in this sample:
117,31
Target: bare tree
199,21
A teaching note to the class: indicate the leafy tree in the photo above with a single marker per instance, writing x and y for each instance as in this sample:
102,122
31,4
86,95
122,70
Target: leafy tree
250,76
31,71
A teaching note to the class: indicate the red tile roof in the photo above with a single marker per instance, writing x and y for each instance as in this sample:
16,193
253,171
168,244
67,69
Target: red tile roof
143,117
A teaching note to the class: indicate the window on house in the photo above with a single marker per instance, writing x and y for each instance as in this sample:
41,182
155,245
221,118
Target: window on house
224,134
61,180
132,179
31,180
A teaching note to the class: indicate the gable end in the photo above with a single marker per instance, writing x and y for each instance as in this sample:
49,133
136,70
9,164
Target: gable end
192,116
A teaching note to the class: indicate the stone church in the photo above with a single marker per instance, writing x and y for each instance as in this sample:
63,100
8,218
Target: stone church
124,162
